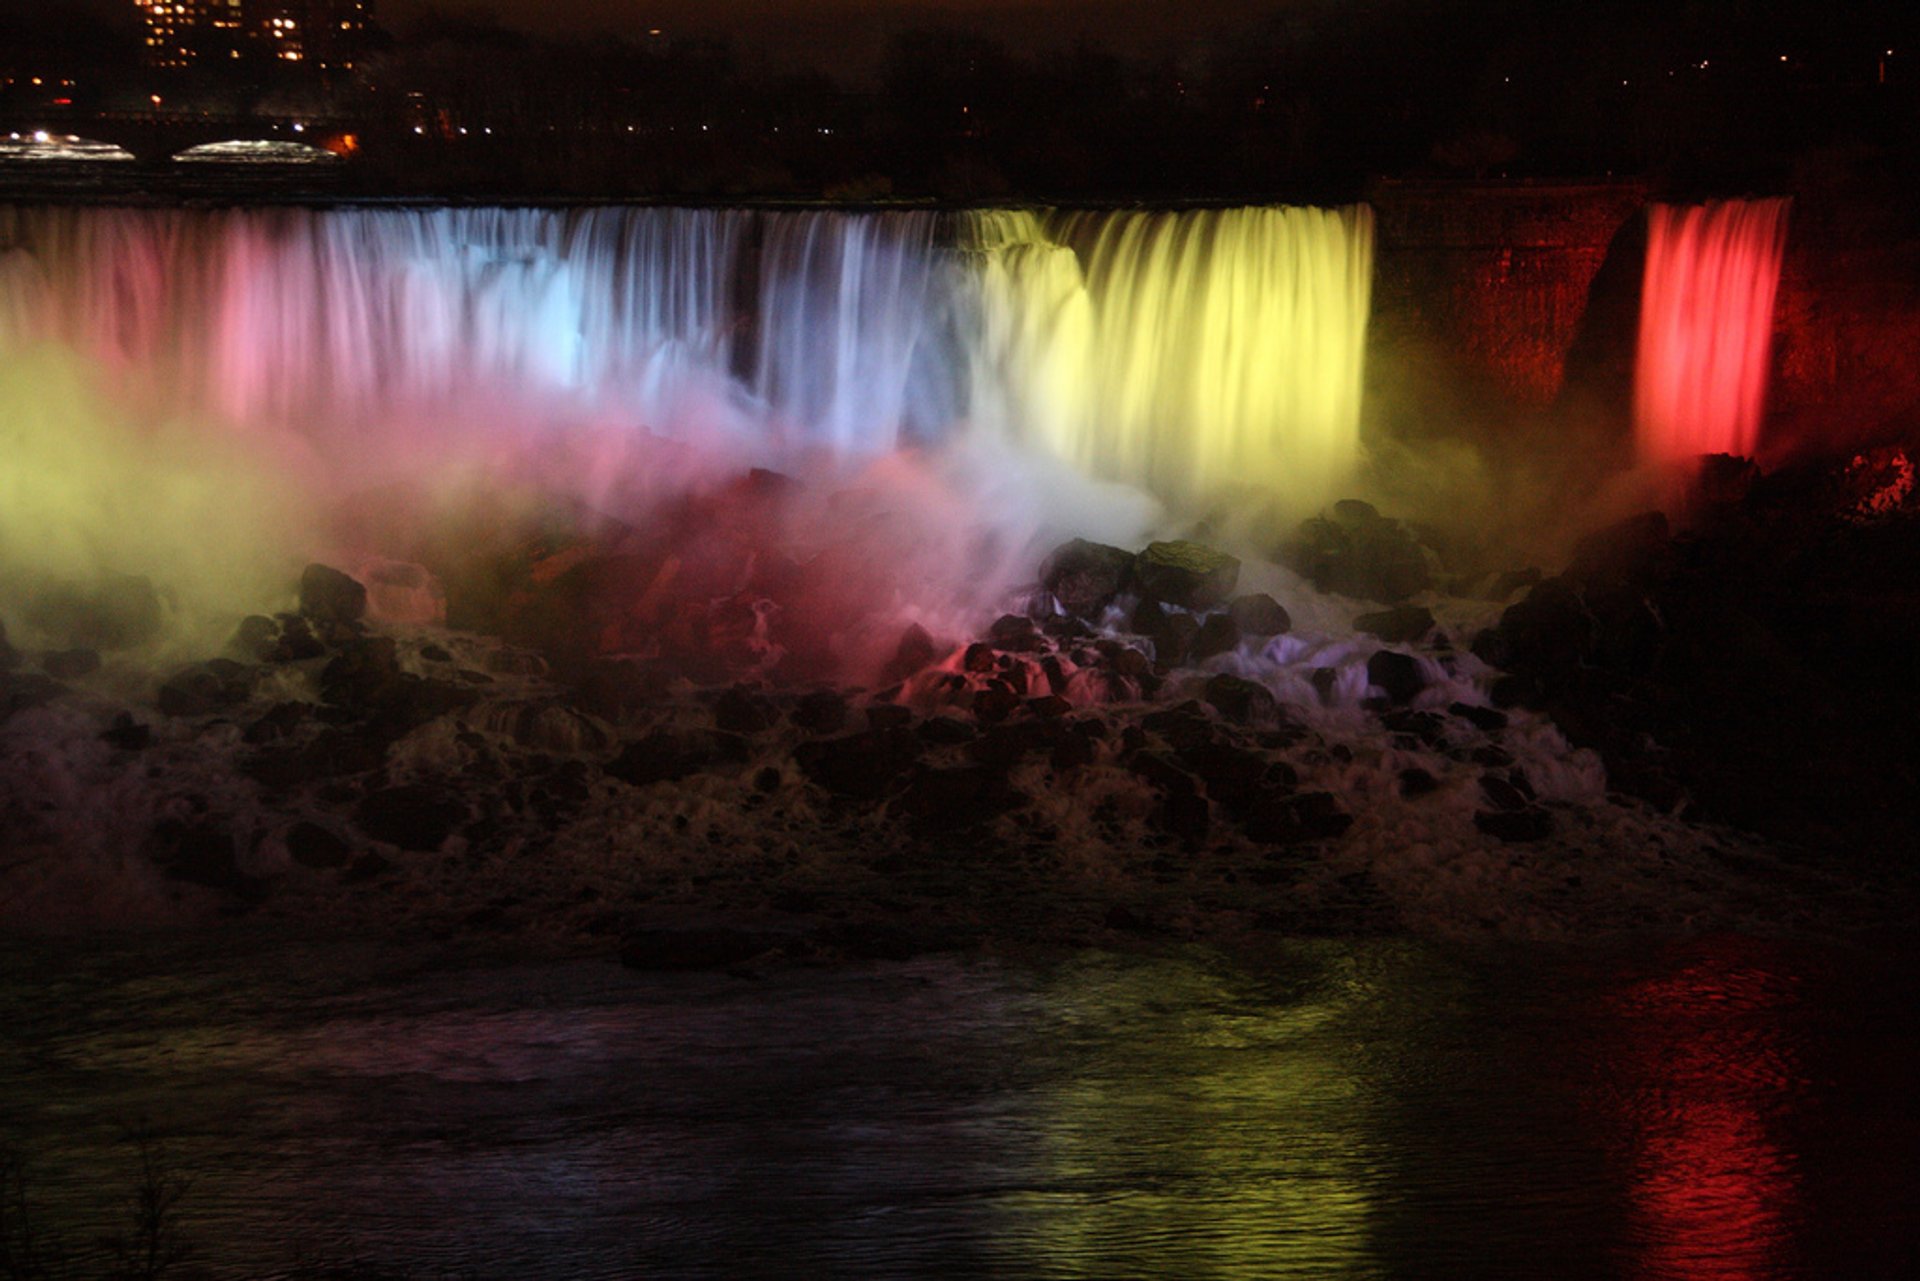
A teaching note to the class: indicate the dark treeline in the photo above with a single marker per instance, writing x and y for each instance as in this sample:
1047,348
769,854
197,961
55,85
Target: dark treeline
1308,99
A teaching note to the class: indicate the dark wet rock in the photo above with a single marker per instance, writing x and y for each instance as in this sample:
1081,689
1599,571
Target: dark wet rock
820,711
742,711
705,947
1356,513
1003,746
1396,675
993,705
1324,681
1515,691
547,726
888,716
368,867
858,766
516,662
979,658
254,639
1277,818
1242,701
116,611
1232,775
1415,729
1218,635
200,852
1550,632
9,656
333,753
278,722
70,664
311,845
1190,575
1048,706
1065,627
328,595
1075,751
436,654
126,733
1628,551
1503,794
1126,660
413,816
1184,727
1490,646
670,755
1084,577
1359,553
616,688
363,672
1402,625
294,640
1164,773
1171,632
1481,718
940,731
767,779
1259,614
1016,633
1185,815
205,688
1510,581
1515,826
915,652
960,796
1628,631
1417,782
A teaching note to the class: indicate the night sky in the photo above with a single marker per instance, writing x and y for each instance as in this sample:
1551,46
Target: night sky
815,28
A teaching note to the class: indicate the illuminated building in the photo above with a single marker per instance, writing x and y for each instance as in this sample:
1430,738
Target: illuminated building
178,31
326,34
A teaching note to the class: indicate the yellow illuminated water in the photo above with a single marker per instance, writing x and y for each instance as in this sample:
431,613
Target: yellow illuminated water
1193,352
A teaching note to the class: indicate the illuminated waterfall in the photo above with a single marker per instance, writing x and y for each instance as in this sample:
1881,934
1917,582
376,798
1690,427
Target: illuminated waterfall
1185,353
1228,345
844,304
1706,327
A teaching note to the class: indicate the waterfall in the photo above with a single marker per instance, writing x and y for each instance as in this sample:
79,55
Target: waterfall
1185,353
1706,327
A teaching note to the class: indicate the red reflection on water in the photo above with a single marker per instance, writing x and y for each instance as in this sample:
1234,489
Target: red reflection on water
1706,327
1705,1070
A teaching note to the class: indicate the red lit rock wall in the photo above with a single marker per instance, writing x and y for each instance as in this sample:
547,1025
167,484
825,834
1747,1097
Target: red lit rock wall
1490,280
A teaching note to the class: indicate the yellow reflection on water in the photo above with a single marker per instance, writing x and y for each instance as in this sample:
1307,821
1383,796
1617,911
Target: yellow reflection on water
1228,1138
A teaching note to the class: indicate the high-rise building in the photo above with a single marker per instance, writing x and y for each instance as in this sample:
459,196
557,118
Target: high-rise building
327,34
178,31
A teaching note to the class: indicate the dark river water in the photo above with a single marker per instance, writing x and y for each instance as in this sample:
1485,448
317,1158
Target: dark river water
1724,1108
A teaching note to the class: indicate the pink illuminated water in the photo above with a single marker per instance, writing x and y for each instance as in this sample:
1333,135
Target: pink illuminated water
1706,327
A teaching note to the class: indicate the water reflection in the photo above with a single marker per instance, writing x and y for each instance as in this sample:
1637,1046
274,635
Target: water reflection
1705,1067
1339,1109
1225,1135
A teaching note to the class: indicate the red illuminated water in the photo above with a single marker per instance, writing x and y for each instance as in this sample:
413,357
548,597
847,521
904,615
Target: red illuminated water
1706,327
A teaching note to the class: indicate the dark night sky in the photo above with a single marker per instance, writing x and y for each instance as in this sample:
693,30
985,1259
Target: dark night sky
812,28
